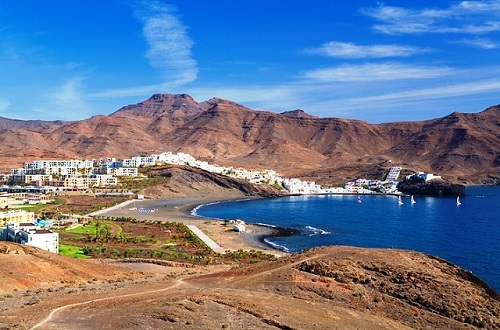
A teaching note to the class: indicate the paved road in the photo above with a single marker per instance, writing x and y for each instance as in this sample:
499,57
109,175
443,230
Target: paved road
207,240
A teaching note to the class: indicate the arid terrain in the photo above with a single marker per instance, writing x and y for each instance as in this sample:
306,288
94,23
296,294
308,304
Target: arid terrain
460,147
323,288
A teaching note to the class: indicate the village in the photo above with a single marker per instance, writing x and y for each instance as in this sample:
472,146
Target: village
38,182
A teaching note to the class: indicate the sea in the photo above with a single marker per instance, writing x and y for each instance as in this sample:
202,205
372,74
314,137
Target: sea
467,235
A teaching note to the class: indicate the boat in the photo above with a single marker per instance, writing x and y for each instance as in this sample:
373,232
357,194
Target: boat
458,200
359,199
400,200
412,199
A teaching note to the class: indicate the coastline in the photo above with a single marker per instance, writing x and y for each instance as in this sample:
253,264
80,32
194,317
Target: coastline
180,210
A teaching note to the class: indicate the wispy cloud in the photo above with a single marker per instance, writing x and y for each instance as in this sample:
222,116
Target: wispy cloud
169,44
467,17
417,103
131,91
276,97
375,72
4,104
350,50
483,43
66,100
438,92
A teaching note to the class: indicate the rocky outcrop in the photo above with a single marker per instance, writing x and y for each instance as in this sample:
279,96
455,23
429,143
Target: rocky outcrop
423,282
436,187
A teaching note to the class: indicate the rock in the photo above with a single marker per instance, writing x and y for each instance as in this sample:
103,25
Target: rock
417,186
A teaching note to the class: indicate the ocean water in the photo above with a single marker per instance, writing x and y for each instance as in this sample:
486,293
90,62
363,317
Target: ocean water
467,235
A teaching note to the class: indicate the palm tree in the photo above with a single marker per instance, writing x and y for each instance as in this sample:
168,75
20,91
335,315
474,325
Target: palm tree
97,230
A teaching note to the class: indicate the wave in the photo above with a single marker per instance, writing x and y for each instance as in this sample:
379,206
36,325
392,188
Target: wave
264,225
276,246
317,231
194,211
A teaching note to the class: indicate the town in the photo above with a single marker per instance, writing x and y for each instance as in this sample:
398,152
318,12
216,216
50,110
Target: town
38,181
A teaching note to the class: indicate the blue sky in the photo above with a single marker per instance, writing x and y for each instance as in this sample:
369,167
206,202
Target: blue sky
369,60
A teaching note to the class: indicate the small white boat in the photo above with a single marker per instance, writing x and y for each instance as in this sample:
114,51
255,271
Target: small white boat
412,199
400,200
458,200
359,199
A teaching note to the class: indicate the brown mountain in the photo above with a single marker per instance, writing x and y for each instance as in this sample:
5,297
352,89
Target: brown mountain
464,147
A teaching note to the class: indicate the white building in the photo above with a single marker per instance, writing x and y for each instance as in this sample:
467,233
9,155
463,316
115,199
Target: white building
393,174
426,176
124,171
296,186
33,235
139,161
42,164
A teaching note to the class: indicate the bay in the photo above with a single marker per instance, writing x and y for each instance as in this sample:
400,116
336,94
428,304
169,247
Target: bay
467,235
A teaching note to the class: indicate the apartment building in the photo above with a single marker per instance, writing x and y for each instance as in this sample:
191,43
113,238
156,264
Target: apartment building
16,216
33,235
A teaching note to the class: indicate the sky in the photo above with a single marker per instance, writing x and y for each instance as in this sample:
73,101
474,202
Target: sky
369,60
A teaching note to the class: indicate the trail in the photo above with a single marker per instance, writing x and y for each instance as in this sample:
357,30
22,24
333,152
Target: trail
247,278
58,309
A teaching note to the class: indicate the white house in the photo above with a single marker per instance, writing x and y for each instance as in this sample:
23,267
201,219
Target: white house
33,235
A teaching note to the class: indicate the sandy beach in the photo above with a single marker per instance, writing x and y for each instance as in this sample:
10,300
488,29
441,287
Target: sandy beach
179,210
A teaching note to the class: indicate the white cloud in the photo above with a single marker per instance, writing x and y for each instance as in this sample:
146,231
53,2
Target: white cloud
169,44
67,102
438,92
131,91
374,72
483,43
4,104
350,50
276,97
467,17
416,103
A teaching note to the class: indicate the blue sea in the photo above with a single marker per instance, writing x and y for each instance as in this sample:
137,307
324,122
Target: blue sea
467,235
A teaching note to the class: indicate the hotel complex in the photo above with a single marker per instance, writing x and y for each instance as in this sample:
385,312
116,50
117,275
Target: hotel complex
36,179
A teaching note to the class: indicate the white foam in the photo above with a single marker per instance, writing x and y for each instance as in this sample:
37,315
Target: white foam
317,231
276,246
265,225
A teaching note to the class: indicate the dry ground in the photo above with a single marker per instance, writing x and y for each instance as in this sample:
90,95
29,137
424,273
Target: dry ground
324,288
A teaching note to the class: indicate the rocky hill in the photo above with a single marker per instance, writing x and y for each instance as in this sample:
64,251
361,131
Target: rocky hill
460,147
185,181
323,288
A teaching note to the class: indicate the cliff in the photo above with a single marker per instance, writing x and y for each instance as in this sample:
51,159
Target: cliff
437,187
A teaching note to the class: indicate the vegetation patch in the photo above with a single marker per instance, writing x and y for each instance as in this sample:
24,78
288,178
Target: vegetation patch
126,237
72,251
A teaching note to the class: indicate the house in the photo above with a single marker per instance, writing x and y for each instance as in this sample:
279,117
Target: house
33,235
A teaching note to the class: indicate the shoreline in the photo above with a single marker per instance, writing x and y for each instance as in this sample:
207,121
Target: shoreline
181,210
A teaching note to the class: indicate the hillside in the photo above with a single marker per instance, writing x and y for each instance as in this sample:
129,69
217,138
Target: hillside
341,287
186,181
35,268
461,147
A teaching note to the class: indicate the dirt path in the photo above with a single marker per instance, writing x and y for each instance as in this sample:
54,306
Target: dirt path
58,309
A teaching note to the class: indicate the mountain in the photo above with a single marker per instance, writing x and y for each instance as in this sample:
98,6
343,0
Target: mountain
460,147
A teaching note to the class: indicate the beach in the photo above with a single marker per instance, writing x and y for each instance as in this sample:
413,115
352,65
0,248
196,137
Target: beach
179,210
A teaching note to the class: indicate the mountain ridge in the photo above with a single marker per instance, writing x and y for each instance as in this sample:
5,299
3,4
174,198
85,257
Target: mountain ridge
460,146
